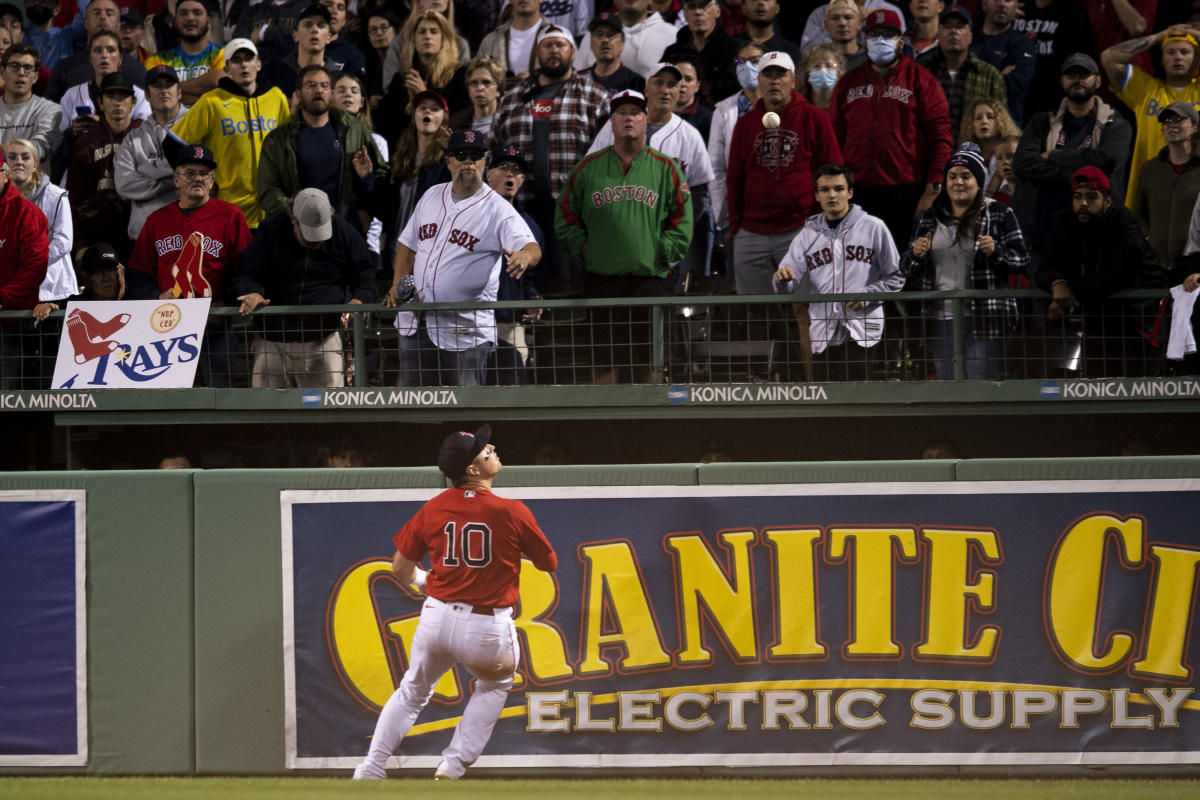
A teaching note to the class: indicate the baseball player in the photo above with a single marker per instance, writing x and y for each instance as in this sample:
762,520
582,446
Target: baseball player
842,249
452,246
475,541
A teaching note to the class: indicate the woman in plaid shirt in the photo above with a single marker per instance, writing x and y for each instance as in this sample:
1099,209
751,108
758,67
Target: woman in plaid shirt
967,241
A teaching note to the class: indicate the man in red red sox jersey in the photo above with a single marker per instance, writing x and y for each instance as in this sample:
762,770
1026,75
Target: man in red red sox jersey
190,248
475,541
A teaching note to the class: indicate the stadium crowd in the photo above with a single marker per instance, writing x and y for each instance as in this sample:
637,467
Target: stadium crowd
298,152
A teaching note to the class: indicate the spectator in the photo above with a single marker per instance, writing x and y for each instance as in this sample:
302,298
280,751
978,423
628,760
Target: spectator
669,10
1184,278
607,37
232,121
966,241
815,30
349,94
1057,28
314,150
986,123
341,54
270,24
485,80
1002,182
841,249
452,348
430,58
75,69
197,60
770,169
717,48
160,31
671,136
303,255
131,33
762,28
381,32
416,165
1114,23
890,116
555,115
22,114
394,63
1097,249
822,67
923,32
725,117
105,52
513,44
175,462
103,277
311,35
100,212
573,15
191,248
53,44
507,169
843,25
963,77
24,254
630,242
347,454
1145,94
1170,184
693,105
1085,131
141,168
647,36
1007,49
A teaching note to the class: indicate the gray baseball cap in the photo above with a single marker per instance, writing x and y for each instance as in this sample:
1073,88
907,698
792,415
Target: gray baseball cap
1079,61
312,210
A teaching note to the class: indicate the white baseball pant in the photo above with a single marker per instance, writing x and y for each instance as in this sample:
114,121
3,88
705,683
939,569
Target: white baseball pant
450,633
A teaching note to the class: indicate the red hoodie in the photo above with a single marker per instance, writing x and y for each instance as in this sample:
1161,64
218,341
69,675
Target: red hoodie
24,250
770,175
895,127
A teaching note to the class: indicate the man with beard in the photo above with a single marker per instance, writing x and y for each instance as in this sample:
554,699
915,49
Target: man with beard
1147,95
1096,249
316,150
1084,132
197,60
553,114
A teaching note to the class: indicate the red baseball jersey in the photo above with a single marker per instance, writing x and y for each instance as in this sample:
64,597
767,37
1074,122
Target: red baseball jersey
164,243
475,541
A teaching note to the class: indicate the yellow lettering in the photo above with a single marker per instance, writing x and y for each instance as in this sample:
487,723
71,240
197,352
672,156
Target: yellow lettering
730,603
1076,576
613,572
950,597
546,654
872,581
1171,608
796,593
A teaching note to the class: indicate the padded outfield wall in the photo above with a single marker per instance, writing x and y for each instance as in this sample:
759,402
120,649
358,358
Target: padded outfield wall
903,615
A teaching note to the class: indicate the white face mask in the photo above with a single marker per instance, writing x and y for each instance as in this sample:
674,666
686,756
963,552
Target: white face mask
822,80
747,75
881,51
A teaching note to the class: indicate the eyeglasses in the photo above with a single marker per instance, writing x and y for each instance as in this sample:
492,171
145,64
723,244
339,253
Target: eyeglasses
750,60
17,66
466,155
196,174
384,28
310,85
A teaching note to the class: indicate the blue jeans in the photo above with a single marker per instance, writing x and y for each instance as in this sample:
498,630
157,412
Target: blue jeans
983,356
422,363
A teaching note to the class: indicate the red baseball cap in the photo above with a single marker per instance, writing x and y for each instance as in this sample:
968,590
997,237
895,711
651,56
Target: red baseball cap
883,18
430,94
1092,178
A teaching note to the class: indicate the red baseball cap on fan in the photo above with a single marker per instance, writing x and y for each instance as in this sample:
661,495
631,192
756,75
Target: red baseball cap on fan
883,19
1090,178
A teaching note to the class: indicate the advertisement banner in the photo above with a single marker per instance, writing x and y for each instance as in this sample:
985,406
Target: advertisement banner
981,623
43,630
130,344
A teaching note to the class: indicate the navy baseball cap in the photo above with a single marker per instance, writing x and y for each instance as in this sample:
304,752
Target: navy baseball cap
955,10
459,450
195,154
131,16
160,71
510,153
608,19
468,139
99,257
116,82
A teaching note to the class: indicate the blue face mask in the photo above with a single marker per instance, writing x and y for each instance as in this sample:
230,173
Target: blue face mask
881,51
747,75
822,80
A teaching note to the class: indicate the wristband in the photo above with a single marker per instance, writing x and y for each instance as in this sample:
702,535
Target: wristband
419,576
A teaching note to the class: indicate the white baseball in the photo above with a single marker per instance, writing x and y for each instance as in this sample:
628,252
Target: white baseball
770,120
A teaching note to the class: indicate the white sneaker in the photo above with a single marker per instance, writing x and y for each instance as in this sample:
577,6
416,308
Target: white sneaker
369,772
443,773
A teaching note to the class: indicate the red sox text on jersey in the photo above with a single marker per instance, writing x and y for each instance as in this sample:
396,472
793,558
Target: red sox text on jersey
824,256
457,236
171,244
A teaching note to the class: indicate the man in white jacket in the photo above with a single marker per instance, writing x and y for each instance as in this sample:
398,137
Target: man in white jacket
647,35
843,249
142,171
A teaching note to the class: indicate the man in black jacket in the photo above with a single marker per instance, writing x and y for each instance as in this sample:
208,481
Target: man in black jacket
1096,249
303,255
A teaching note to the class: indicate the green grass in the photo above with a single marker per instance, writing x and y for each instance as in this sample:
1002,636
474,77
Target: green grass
300,788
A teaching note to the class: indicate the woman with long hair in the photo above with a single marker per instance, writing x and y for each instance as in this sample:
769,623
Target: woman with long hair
987,123
381,28
693,104
429,60
967,241
350,95
485,81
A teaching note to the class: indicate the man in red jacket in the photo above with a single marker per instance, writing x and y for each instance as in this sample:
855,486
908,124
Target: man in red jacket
24,253
892,120
774,151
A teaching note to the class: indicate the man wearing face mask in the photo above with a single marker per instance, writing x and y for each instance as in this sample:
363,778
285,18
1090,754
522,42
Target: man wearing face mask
725,116
892,120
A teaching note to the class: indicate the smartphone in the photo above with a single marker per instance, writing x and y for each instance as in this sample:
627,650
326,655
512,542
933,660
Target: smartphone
83,111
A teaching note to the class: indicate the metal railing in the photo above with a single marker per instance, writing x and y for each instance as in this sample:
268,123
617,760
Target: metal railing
688,339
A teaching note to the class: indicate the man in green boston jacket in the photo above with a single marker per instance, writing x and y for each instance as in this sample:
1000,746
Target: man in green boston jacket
286,160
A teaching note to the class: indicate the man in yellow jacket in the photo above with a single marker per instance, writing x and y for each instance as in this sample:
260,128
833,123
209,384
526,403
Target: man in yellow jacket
232,121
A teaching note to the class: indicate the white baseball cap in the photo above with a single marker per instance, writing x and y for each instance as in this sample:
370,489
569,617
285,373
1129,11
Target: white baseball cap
627,96
775,58
555,32
238,44
665,65
312,210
